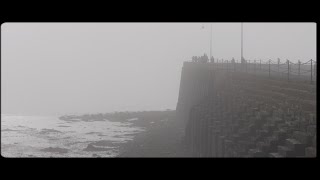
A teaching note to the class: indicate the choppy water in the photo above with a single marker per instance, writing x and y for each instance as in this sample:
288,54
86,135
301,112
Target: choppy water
29,136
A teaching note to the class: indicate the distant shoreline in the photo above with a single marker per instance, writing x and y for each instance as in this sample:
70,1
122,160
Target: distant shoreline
116,116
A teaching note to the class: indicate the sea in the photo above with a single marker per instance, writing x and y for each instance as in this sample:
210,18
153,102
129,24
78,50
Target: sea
48,136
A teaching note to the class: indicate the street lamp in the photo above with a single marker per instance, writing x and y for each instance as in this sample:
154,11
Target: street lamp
210,41
242,58
210,38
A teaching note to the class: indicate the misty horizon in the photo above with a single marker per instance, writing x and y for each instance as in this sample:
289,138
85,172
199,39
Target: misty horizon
74,68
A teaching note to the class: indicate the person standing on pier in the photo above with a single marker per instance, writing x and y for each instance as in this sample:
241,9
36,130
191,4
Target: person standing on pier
212,59
205,58
232,60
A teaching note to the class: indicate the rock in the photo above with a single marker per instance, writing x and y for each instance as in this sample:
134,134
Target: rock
91,147
44,131
55,150
7,130
95,155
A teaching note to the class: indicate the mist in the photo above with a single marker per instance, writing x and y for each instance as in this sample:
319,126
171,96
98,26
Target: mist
63,68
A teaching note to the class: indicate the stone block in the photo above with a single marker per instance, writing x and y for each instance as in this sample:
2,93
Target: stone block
280,135
301,137
275,155
311,152
260,145
285,151
256,153
297,147
312,130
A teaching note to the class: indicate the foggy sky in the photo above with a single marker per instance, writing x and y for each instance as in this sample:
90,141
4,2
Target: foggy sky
58,68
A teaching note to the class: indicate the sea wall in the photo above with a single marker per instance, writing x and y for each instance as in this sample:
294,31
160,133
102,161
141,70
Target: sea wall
230,113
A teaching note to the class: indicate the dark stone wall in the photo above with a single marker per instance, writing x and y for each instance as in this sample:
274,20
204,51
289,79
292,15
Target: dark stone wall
237,114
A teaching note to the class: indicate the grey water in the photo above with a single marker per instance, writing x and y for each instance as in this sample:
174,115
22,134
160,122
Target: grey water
48,136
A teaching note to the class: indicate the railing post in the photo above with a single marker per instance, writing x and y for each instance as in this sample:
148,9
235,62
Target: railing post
222,64
246,66
255,66
315,68
288,69
217,63
299,63
260,64
278,65
269,66
227,64
311,71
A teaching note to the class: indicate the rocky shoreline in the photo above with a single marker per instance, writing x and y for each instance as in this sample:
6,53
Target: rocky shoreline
162,136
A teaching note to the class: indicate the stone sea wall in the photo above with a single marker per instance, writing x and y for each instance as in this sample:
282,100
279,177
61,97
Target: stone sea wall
228,113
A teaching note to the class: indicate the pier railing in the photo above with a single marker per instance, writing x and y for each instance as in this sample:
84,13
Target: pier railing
289,70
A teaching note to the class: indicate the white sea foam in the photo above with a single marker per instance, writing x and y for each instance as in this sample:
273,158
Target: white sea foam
25,136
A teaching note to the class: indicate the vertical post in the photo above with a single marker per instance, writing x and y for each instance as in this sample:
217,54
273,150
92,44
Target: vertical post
260,64
288,69
299,63
241,41
239,64
278,66
227,65
315,68
311,71
246,66
269,68
234,65
217,61
210,41
254,66
222,63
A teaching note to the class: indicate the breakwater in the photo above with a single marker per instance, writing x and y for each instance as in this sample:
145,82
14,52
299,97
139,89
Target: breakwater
230,110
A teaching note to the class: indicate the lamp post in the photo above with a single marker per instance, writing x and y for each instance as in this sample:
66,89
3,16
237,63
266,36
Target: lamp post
210,41
242,42
203,27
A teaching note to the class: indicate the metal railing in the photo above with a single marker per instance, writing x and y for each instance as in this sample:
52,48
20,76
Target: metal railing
289,70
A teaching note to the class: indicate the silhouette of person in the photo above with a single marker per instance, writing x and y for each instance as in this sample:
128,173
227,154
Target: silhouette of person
193,59
243,60
201,59
212,59
205,58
